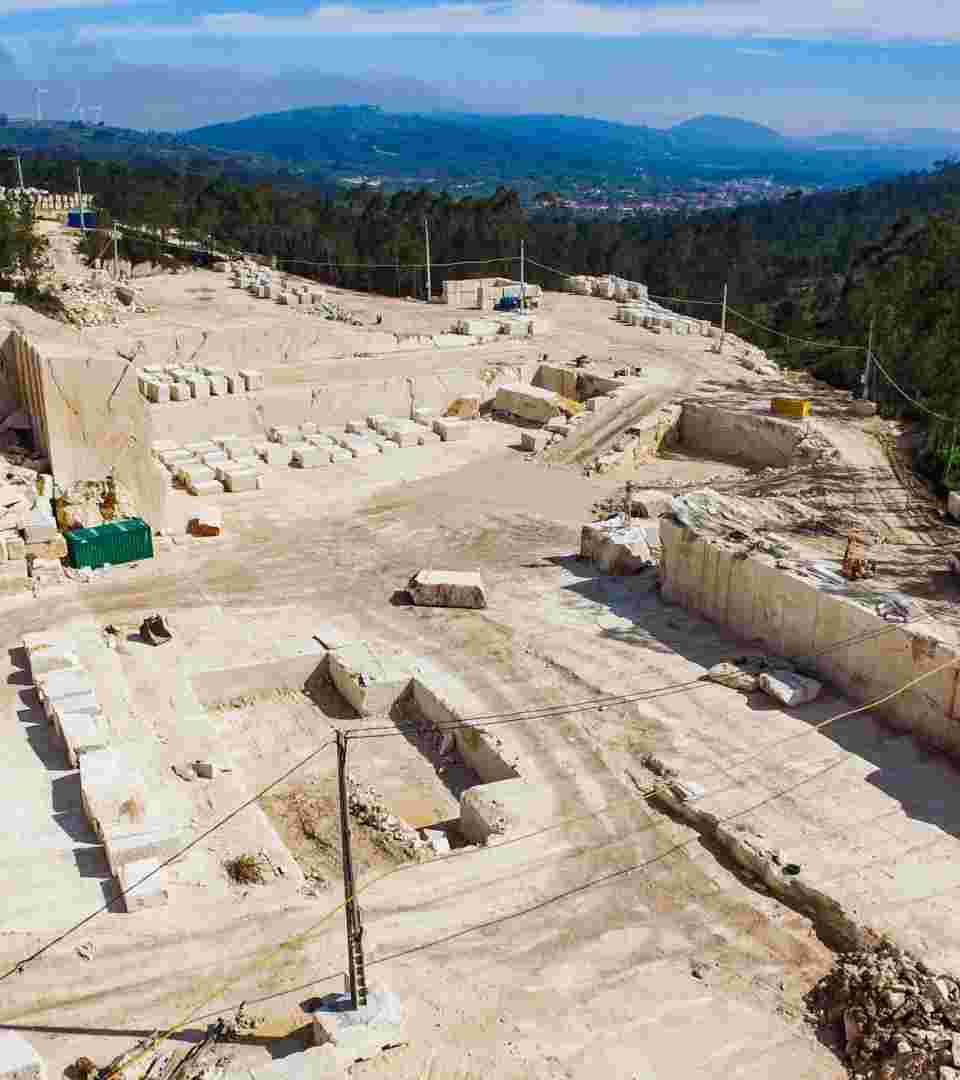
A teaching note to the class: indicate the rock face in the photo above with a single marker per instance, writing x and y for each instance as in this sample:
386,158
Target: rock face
447,588
895,1016
89,503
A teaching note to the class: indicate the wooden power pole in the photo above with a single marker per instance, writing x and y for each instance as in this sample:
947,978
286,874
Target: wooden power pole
355,965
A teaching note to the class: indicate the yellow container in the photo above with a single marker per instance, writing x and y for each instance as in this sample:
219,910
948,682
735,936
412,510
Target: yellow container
788,406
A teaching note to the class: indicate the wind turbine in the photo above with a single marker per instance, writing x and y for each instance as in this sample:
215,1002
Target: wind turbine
37,91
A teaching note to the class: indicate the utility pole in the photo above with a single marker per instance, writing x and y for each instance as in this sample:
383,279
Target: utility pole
355,965
869,363
723,320
83,217
426,237
116,253
16,158
523,280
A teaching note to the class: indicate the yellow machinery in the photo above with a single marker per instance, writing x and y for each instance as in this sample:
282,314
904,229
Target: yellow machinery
795,408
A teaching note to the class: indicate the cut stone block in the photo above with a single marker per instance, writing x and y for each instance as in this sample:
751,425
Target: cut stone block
393,424
176,457
180,391
275,454
618,547
188,473
199,386
375,420
113,792
163,446
46,550
357,427
150,894
214,458
308,427
425,438
240,480
309,457
527,402
16,548
206,487
81,732
425,416
239,449
359,446
62,684
158,392
202,447
404,438
533,440
322,439
130,844
452,430
558,426
789,688
340,457
48,652
18,1059
370,679
39,525
234,383
223,441
292,438
218,385
252,379
447,588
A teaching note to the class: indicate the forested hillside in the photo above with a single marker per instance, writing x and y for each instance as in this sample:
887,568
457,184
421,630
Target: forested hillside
818,267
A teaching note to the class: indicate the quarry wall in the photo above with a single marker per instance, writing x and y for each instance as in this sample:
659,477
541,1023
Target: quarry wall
750,437
838,639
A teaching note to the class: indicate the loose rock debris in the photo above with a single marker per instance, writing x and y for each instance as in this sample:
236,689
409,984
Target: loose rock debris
893,1017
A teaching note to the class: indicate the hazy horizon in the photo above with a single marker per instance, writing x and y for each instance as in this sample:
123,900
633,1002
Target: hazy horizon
811,69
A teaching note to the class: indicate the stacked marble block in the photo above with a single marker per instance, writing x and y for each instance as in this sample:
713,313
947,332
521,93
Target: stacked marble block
68,697
192,382
223,463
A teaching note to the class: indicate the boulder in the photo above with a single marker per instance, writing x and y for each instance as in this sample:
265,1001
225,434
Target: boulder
789,688
464,408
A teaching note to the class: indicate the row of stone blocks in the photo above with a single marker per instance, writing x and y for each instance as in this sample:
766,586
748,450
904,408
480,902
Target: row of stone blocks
160,385
113,793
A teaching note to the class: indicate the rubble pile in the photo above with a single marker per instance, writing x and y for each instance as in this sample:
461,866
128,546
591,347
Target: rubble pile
894,1017
96,301
367,806
89,503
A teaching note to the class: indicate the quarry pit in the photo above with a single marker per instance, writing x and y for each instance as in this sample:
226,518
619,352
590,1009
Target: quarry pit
566,894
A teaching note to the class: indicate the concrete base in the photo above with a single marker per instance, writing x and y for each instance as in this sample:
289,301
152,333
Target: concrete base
18,1059
447,588
370,680
364,1031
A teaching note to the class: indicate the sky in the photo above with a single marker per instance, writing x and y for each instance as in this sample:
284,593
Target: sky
800,66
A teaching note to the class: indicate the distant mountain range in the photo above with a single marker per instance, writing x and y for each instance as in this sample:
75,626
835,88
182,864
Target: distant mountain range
556,150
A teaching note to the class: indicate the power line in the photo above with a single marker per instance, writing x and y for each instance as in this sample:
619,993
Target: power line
912,400
790,337
18,967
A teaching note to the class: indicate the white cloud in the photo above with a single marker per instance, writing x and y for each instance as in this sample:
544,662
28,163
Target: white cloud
759,52
932,21
16,7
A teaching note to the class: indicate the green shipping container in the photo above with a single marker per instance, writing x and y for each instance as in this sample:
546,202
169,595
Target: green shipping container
116,542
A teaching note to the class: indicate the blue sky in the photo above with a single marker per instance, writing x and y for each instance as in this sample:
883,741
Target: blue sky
811,66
